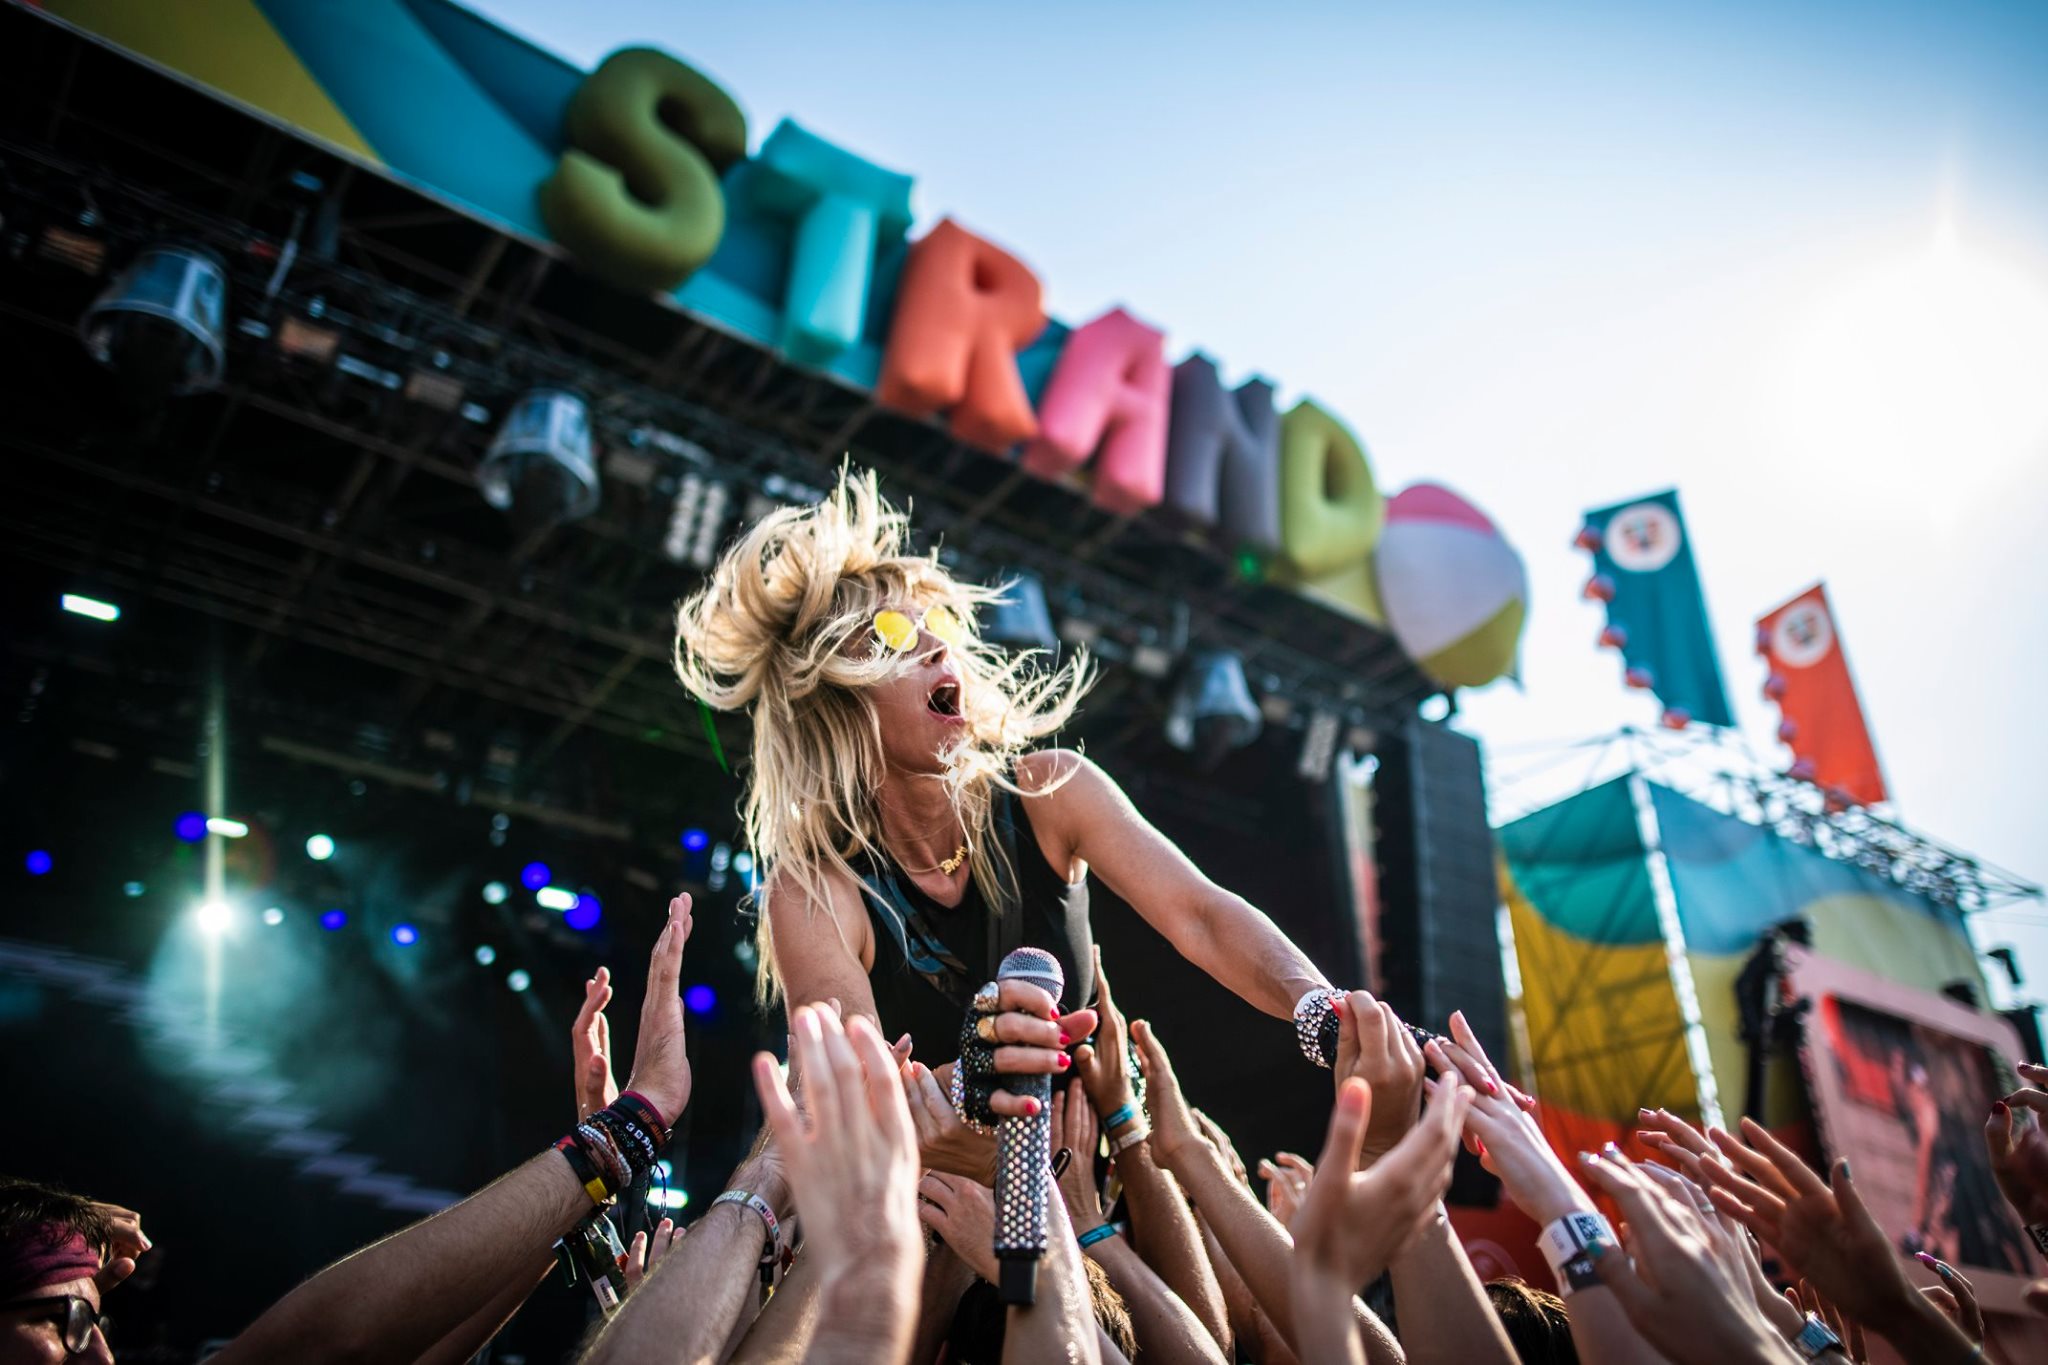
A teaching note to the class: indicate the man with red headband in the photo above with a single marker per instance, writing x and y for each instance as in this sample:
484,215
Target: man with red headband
58,1254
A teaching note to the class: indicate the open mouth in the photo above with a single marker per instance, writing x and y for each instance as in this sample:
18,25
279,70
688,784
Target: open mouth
944,700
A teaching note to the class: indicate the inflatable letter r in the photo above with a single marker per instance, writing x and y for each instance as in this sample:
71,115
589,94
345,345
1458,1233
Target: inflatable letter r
963,311
1112,390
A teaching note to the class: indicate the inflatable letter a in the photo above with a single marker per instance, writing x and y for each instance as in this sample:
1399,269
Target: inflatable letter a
1111,389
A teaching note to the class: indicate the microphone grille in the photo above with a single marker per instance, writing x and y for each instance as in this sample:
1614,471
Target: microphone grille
1036,966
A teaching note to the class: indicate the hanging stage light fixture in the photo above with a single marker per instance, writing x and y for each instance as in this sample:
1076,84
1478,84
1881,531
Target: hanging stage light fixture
541,468
161,326
1212,711
1020,618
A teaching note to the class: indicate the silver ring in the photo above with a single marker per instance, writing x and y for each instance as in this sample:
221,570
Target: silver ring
988,999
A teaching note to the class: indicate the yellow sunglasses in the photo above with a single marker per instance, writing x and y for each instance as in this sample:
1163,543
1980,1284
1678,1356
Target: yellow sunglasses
898,631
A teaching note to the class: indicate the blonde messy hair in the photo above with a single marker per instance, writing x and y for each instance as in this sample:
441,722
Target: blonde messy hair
772,631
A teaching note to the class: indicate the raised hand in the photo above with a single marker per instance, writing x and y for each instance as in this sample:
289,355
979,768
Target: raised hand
1104,1065
2019,1150
1956,1297
590,1045
125,1244
944,1143
1374,1046
1074,1128
1677,1291
1286,1176
645,1251
1513,1146
852,1160
1352,1223
1173,1123
661,1062
963,1213
1030,1038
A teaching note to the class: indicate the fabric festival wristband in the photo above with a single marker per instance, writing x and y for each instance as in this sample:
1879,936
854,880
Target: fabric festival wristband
1122,1116
1128,1140
1098,1234
1565,1244
586,1174
654,1116
760,1206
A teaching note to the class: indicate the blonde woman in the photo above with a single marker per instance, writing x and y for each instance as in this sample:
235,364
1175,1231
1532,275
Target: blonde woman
910,832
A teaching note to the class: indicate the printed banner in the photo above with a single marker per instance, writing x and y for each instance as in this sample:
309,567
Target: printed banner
1643,570
1901,1082
1822,718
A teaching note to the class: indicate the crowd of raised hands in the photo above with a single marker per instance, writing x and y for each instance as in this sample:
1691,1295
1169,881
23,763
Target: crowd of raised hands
866,1204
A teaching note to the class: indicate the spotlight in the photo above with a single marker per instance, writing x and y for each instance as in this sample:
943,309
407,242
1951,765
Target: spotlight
273,917
333,919
743,862
495,893
404,935
584,914
1212,711
133,889
555,898
699,999
159,326
670,1198
214,918
320,848
79,605
39,863
518,980
226,828
534,876
1020,618
485,954
540,468
695,839
191,827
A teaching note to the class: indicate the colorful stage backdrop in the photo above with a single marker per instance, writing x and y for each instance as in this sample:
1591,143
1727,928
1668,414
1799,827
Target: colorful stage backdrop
642,172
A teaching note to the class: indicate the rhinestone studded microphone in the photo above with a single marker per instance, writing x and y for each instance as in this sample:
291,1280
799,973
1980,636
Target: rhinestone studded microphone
1024,1152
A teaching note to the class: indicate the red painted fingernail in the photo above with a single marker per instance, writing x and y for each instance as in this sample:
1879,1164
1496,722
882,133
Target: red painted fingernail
1065,1061
1031,1108
1064,1040
1339,1005
1492,1089
1998,1107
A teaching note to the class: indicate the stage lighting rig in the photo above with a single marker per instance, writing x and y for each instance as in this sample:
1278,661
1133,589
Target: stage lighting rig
1212,711
161,326
541,468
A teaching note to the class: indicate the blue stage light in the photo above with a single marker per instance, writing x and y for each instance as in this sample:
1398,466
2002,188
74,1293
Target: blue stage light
699,999
320,847
486,954
39,862
534,876
404,935
132,889
695,839
191,827
518,980
334,919
494,893
584,914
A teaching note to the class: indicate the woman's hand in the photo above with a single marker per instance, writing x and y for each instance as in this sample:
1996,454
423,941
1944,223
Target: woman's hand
1512,1146
944,1143
1672,1285
1104,1065
590,1044
2019,1155
963,1213
1374,1046
645,1251
1031,1036
1174,1129
1286,1177
1956,1297
1075,1129
661,1063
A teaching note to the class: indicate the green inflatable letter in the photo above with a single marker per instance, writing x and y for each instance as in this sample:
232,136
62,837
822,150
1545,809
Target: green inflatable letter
635,197
1331,512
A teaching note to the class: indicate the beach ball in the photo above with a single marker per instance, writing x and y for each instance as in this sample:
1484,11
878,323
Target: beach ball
1454,590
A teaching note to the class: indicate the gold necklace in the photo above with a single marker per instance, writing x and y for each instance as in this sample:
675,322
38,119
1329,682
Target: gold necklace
946,865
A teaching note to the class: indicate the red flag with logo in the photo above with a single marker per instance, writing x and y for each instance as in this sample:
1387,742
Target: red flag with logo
1822,718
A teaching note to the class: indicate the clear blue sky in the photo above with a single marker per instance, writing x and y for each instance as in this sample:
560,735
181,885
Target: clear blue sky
1794,263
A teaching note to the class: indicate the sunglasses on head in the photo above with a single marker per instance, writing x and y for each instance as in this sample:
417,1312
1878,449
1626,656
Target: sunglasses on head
898,630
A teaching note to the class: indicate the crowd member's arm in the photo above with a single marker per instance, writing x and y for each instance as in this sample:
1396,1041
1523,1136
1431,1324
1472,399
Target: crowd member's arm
783,1331
1440,1303
2019,1150
1166,1328
1673,1286
426,1281
1256,1244
483,1325
1252,1333
1533,1176
1352,1224
1093,822
1163,1231
1828,1237
963,1213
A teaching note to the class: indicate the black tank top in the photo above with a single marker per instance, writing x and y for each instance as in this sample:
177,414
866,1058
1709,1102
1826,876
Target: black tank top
931,958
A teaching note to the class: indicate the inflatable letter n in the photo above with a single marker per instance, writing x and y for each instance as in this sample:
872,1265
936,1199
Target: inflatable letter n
1331,512
635,197
1221,453
963,311
1110,391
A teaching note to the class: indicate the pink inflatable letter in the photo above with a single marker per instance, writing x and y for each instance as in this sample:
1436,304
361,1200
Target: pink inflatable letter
1110,392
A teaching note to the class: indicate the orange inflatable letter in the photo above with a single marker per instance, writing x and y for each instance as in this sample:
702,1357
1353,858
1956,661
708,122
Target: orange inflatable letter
1110,389
963,311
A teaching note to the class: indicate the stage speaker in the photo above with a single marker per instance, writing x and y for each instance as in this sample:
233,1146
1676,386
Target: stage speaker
1439,949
